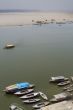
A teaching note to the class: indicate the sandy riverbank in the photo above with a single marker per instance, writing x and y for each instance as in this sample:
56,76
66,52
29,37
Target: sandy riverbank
10,19
64,105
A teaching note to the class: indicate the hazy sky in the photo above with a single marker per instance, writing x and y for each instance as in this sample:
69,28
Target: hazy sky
37,4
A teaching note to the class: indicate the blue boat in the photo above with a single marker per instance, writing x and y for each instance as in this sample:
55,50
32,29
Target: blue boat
18,86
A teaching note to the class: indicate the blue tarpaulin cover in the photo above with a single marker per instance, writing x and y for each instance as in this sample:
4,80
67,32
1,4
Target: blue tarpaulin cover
23,85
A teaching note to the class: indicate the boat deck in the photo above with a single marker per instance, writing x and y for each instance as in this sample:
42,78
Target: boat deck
64,105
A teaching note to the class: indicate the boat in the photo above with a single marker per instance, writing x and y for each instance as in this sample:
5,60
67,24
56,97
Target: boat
23,92
31,95
8,46
71,78
54,100
14,107
40,105
68,87
63,83
61,97
18,86
43,95
58,79
70,90
29,101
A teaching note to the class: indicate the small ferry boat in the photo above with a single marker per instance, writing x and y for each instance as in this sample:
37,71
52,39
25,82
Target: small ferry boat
14,107
29,101
18,86
23,92
8,46
43,95
40,105
31,95
61,97
58,79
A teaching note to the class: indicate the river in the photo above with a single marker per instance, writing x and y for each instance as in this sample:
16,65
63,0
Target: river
40,52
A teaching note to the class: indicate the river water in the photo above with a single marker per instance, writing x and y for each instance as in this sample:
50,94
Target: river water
40,52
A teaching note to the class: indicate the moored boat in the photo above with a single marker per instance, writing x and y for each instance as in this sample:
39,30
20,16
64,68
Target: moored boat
18,86
43,95
63,83
71,78
8,46
29,101
14,107
40,105
68,87
58,79
31,95
23,92
61,96
70,90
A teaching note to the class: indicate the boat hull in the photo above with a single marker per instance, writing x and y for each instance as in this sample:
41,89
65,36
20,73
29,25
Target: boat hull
13,88
23,92
43,96
40,105
31,95
30,101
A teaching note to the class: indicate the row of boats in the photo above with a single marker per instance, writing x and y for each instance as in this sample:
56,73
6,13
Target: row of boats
67,85
26,92
61,80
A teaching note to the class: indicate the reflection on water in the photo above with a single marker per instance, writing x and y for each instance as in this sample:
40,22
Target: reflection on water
40,52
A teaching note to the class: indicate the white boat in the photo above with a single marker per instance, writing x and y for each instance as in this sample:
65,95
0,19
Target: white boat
43,95
23,92
8,46
29,101
15,107
31,95
61,97
58,79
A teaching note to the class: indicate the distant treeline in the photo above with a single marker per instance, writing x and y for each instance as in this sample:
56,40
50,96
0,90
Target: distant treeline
16,10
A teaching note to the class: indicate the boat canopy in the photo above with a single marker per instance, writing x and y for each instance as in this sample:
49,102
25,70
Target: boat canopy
23,85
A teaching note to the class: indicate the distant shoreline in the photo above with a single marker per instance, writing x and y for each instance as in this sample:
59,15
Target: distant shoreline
29,10
24,18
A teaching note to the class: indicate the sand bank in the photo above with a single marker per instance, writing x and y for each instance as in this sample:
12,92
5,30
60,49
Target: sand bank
9,19
64,105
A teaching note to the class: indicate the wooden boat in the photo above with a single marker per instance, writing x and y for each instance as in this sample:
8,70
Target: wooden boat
18,86
70,90
14,107
8,46
29,101
43,95
68,87
71,78
31,95
61,96
58,79
54,100
63,83
23,92
40,105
